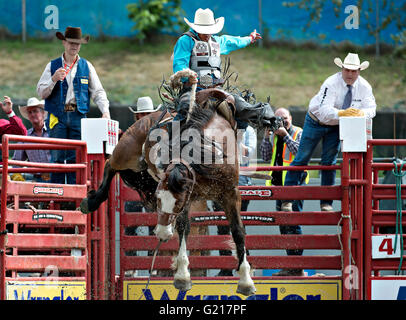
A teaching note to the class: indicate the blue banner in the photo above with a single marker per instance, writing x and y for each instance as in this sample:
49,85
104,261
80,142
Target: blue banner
110,18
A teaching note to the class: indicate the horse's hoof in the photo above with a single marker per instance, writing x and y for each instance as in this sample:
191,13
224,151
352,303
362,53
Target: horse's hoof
182,285
246,290
84,206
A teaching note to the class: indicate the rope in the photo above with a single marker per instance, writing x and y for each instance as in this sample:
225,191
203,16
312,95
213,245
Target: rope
175,82
399,228
349,243
151,269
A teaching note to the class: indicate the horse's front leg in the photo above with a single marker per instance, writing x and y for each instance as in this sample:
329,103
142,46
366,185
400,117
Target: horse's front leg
232,205
182,279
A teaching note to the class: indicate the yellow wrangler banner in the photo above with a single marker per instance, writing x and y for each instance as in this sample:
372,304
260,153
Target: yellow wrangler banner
46,290
212,289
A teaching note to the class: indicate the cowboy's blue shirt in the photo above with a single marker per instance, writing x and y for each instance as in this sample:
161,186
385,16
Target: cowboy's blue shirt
184,46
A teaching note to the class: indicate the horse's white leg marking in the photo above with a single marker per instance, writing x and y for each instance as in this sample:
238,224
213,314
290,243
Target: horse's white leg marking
167,204
245,285
164,233
182,263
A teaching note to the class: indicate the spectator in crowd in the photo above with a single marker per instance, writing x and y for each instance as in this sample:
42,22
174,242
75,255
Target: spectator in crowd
247,150
67,85
144,107
35,113
280,149
14,125
344,94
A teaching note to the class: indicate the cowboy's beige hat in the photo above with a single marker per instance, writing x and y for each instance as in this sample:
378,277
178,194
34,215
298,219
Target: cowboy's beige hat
205,23
73,34
351,62
32,102
144,104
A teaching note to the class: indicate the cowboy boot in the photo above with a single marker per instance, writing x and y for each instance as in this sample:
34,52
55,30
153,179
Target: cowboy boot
260,114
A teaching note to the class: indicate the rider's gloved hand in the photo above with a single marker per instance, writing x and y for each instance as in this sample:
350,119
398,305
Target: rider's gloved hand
350,112
193,79
255,36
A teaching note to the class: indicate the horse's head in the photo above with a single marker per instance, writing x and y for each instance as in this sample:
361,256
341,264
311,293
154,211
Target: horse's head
173,196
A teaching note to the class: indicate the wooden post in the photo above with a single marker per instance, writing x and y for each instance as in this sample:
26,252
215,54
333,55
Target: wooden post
23,21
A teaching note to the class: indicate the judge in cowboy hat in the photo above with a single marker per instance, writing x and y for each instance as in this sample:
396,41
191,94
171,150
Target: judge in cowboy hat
200,50
344,94
145,106
67,84
33,104
35,113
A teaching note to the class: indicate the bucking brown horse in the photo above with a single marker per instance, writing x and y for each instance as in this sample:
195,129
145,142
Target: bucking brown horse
197,161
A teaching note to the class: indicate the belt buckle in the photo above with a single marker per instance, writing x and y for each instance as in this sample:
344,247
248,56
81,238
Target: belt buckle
206,81
69,107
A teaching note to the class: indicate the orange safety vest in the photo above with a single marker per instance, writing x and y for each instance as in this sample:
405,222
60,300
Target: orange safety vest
287,156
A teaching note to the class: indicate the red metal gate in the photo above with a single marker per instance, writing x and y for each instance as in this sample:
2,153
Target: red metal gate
34,238
349,241
376,219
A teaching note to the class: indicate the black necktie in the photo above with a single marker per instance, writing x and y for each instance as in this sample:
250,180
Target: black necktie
348,98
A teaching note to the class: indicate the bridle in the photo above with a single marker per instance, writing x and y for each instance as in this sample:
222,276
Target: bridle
166,218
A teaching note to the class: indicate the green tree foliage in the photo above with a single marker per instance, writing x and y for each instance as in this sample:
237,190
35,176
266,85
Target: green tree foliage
152,17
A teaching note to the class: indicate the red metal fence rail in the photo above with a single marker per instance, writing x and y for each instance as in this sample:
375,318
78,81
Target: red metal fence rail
33,239
376,218
349,241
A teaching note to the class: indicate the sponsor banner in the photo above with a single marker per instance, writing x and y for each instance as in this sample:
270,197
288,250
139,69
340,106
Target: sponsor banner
259,193
46,290
211,289
47,190
388,289
222,217
38,216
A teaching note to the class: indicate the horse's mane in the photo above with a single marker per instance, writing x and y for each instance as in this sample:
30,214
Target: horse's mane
199,117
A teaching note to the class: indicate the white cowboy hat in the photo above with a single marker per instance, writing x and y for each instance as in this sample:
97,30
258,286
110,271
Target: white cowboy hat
144,104
32,102
204,22
351,62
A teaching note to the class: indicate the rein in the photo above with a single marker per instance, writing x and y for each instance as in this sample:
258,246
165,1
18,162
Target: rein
152,268
172,216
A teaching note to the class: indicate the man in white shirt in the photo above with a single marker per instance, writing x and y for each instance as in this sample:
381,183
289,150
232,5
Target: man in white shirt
344,94
67,84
